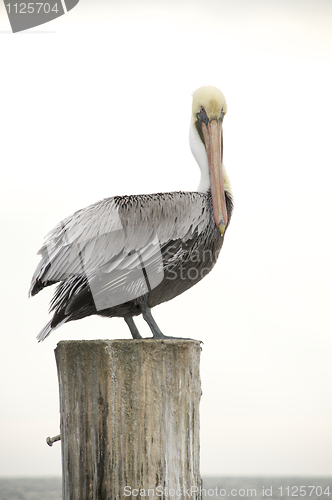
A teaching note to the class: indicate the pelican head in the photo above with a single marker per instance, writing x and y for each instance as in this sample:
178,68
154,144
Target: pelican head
208,110
211,100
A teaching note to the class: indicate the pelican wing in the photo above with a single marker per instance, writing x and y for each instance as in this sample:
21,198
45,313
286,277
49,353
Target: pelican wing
113,237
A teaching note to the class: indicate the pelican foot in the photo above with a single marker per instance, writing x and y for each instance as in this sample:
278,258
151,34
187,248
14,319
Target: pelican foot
167,337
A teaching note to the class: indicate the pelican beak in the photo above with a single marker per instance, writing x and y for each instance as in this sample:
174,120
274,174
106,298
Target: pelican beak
212,133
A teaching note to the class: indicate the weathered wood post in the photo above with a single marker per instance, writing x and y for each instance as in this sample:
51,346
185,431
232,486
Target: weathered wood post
129,418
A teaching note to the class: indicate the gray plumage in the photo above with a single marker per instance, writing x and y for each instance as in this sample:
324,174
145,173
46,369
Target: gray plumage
122,251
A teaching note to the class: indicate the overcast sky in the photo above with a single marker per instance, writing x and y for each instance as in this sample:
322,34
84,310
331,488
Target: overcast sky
98,103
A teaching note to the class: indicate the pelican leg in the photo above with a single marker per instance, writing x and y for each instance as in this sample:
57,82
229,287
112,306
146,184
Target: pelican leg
156,332
133,328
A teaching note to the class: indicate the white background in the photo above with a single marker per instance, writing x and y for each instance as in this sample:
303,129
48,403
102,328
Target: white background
97,103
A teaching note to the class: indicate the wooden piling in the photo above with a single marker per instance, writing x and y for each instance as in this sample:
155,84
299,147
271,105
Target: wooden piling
129,418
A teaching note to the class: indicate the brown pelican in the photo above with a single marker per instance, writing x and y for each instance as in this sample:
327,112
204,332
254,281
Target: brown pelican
124,255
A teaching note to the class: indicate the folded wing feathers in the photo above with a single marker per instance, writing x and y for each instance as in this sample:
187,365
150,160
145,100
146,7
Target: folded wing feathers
112,231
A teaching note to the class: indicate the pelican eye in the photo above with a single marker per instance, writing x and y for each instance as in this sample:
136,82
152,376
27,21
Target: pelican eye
202,116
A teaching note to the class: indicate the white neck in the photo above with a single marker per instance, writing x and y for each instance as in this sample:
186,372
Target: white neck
199,152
